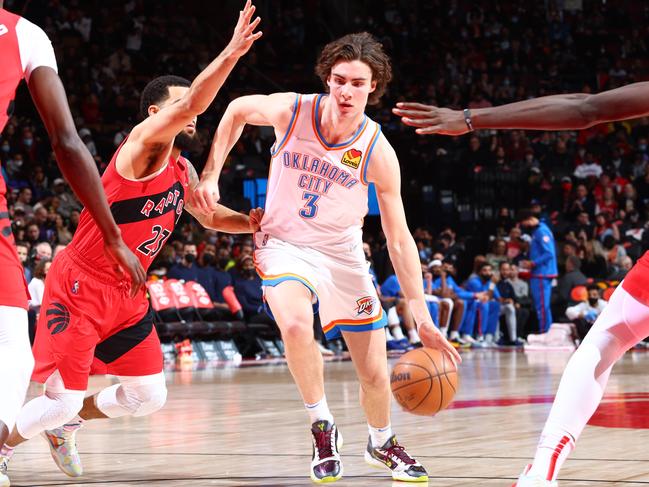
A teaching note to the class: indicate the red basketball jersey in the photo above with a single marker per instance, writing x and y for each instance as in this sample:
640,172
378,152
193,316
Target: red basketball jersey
145,211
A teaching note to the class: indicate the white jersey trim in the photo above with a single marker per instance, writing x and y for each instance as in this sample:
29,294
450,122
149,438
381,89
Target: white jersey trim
35,47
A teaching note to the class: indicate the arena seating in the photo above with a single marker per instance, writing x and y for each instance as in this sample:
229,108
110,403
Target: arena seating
183,310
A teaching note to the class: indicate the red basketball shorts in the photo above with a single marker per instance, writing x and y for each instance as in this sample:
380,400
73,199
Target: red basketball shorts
89,324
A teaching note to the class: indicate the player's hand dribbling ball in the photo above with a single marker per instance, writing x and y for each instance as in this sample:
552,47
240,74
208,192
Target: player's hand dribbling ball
424,381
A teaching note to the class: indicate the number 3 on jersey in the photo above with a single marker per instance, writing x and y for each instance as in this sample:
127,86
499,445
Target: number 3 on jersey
310,209
154,244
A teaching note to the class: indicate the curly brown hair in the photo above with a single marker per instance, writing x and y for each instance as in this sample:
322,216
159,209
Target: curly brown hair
361,46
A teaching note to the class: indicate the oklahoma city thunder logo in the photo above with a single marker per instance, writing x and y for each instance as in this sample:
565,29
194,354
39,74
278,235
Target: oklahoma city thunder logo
365,305
352,158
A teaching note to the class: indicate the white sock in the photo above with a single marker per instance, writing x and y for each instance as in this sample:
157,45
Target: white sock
379,436
397,333
388,335
489,338
319,411
6,451
552,451
444,330
413,336
455,335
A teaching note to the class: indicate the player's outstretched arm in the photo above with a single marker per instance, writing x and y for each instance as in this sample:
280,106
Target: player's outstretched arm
273,110
169,121
78,167
385,173
221,218
555,112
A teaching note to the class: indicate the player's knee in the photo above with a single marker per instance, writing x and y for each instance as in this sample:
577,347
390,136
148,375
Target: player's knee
297,331
62,407
145,397
375,380
152,400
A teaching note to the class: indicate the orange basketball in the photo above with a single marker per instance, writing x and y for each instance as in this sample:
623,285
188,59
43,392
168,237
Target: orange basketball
424,381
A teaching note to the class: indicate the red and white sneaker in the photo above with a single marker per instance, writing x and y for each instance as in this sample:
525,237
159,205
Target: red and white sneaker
526,480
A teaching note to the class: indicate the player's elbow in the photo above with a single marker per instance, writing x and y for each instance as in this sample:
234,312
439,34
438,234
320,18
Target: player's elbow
66,144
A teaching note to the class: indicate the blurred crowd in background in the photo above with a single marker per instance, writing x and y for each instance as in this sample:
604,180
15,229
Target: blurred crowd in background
461,193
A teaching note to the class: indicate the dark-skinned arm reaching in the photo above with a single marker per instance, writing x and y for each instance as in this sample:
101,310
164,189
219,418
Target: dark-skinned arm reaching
555,112
79,169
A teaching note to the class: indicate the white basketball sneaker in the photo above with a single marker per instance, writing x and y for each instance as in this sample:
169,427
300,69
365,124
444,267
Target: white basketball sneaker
526,480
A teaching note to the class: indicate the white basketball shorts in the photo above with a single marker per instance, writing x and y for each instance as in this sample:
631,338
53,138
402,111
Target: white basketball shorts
339,279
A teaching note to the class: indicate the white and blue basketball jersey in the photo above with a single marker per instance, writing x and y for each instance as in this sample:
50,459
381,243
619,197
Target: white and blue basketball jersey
317,192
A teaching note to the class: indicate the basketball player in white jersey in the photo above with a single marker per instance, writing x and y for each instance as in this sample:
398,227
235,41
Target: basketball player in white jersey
625,321
309,252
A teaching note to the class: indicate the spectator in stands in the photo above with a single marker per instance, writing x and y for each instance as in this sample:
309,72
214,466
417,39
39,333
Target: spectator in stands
68,202
439,308
588,168
619,273
247,288
521,287
613,251
24,202
23,254
42,251
454,250
57,249
488,305
515,315
572,278
187,269
584,314
582,202
445,287
391,289
498,253
36,286
215,280
63,234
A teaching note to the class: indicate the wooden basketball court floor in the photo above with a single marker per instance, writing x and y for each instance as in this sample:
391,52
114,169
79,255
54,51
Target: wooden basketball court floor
246,427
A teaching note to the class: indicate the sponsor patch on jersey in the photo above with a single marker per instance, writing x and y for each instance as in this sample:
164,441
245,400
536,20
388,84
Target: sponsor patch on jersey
546,239
365,305
352,158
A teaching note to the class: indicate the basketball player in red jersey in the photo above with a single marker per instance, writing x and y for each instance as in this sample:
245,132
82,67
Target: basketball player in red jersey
87,318
26,52
625,321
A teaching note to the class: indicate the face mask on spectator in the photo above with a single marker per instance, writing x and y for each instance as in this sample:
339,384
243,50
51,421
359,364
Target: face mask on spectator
190,258
28,142
223,262
208,259
593,301
247,272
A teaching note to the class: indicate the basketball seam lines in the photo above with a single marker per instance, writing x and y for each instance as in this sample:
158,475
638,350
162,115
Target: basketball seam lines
441,389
